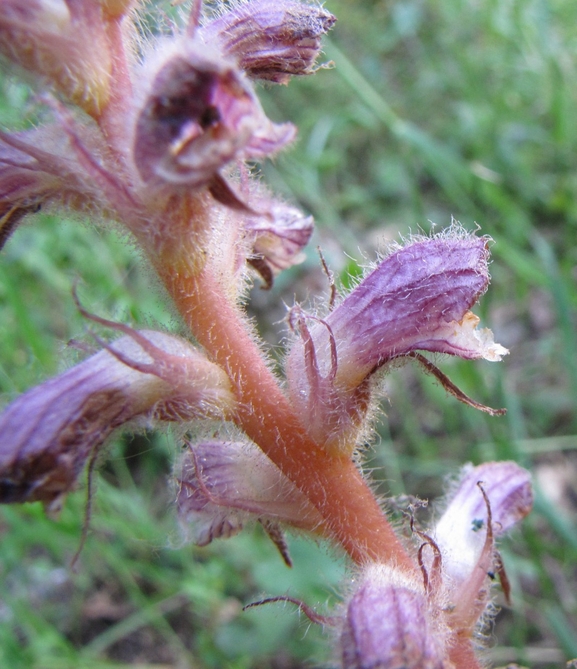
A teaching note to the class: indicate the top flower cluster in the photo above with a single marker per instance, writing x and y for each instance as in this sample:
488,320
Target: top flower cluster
159,125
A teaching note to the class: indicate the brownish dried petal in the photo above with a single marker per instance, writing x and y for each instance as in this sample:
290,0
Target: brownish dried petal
47,434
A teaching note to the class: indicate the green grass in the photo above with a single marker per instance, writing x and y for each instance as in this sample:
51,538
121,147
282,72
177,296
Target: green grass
433,110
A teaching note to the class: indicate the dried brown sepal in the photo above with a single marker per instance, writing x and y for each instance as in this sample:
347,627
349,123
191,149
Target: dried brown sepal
309,612
276,535
11,217
450,387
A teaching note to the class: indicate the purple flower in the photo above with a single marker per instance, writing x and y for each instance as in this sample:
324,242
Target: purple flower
271,40
49,433
490,500
390,624
224,485
418,298
198,115
395,619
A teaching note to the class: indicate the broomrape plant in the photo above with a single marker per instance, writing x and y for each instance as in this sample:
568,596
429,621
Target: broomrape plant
155,134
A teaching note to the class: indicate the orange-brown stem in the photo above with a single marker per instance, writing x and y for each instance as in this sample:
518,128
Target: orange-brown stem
113,118
333,485
462,654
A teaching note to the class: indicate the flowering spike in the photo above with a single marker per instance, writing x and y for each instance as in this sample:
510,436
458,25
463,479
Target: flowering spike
417,298
48,433
224,485
272,40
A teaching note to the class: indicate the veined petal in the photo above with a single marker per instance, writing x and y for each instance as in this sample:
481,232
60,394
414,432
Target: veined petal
461,531
223,485
278,239
418,298
388,624
49,433
199,115
271,40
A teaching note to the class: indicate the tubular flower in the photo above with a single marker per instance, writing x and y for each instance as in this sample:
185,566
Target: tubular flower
489,501
395,619
418,298
199,115
224,485
49,433
271,40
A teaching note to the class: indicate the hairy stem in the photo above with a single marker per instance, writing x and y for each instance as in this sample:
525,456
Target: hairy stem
332,484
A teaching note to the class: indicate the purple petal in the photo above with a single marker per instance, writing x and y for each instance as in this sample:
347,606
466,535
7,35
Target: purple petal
48,433
278,239
271,40
223,485
388,625
198,116
461,531
417,299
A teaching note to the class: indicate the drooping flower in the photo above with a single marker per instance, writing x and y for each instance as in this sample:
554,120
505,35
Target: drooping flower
48,433
418,298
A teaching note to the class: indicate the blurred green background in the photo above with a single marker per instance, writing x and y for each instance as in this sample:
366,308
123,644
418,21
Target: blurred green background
434,109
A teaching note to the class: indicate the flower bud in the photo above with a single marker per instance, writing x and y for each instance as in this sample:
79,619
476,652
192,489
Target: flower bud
271,40
198,116
388,625
49,433
223,485
416,299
